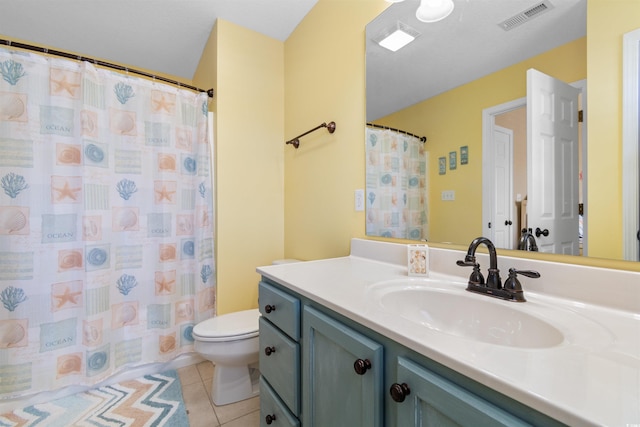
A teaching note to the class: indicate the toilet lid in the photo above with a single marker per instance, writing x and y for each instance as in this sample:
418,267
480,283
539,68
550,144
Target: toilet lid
238,325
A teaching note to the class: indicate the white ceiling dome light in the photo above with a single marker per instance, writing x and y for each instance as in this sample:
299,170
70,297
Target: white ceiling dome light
434,10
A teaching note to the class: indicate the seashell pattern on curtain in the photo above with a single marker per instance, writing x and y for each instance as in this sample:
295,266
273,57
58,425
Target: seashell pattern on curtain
396,185
106,222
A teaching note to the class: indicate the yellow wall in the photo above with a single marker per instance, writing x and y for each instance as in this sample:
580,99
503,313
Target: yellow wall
324,81
301,201
246,70
268,91
454,119
607,21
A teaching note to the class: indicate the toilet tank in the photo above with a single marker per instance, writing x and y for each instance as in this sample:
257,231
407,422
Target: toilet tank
285,261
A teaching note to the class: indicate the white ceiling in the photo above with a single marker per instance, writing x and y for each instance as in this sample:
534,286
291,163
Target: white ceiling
164,36
168,36
463,47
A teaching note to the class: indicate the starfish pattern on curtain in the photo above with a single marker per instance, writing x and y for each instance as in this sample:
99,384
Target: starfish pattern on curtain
106,222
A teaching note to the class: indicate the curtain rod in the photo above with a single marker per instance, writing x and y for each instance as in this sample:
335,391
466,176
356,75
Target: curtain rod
102,64
421,138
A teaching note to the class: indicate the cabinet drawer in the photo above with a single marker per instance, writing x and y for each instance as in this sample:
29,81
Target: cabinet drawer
280,364
272,406
281,309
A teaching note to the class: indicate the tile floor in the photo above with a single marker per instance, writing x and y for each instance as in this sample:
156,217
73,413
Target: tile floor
196,386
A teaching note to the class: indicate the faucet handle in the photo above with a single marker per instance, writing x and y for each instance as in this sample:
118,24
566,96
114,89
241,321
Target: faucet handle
469,261
529,273
476,277
512,284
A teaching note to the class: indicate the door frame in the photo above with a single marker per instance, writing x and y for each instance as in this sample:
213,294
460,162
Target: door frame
630,142
510,241
488,163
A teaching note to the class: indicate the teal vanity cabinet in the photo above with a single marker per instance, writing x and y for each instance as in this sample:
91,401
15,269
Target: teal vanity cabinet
342,374
348,375
279,357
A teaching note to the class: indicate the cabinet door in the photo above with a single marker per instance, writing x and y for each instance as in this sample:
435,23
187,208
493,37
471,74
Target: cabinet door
434,401
334,394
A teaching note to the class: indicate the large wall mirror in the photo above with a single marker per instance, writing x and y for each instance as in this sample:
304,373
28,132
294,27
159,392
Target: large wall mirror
463,83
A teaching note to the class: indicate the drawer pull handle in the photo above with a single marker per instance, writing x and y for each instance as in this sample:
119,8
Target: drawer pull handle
362,366
269,350
269,308
270,418
399,392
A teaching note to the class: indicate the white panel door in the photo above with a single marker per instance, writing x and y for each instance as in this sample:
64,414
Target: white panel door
552,162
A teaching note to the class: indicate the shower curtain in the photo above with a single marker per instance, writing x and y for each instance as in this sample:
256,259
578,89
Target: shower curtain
106,222
396,185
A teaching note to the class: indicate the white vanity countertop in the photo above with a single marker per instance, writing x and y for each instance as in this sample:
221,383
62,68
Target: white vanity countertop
591,378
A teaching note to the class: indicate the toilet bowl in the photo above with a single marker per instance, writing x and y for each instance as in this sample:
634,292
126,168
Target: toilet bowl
230,342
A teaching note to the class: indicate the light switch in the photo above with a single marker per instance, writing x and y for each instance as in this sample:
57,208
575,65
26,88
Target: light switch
448,195
359,200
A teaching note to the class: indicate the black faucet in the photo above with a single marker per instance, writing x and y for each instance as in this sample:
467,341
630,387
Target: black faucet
527,241
493,279
512,290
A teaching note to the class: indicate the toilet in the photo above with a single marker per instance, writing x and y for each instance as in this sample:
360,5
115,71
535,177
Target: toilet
230,342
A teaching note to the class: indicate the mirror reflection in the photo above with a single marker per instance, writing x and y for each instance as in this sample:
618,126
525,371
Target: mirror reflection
462,83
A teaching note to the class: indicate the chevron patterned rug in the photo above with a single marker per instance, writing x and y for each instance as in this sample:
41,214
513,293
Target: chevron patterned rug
153,400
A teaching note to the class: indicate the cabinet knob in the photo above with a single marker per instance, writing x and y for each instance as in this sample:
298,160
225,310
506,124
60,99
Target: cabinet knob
361,366
269,350
399,392
269,308
270,418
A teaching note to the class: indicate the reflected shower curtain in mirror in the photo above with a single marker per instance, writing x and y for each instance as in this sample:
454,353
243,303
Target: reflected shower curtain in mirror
106,222
396,185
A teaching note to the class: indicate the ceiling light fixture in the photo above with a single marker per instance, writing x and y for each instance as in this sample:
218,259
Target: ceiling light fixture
434,10
397,37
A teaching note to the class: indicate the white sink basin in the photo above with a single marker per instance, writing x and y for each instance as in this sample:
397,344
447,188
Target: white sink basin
465,314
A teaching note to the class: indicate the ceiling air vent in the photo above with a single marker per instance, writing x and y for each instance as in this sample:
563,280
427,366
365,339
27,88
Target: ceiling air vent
526,15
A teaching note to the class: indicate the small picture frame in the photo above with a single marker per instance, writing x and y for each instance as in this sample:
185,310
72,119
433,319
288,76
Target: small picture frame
442,165
464,155
453,160
418,260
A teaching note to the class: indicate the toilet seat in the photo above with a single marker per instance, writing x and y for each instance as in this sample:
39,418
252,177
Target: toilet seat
228,327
